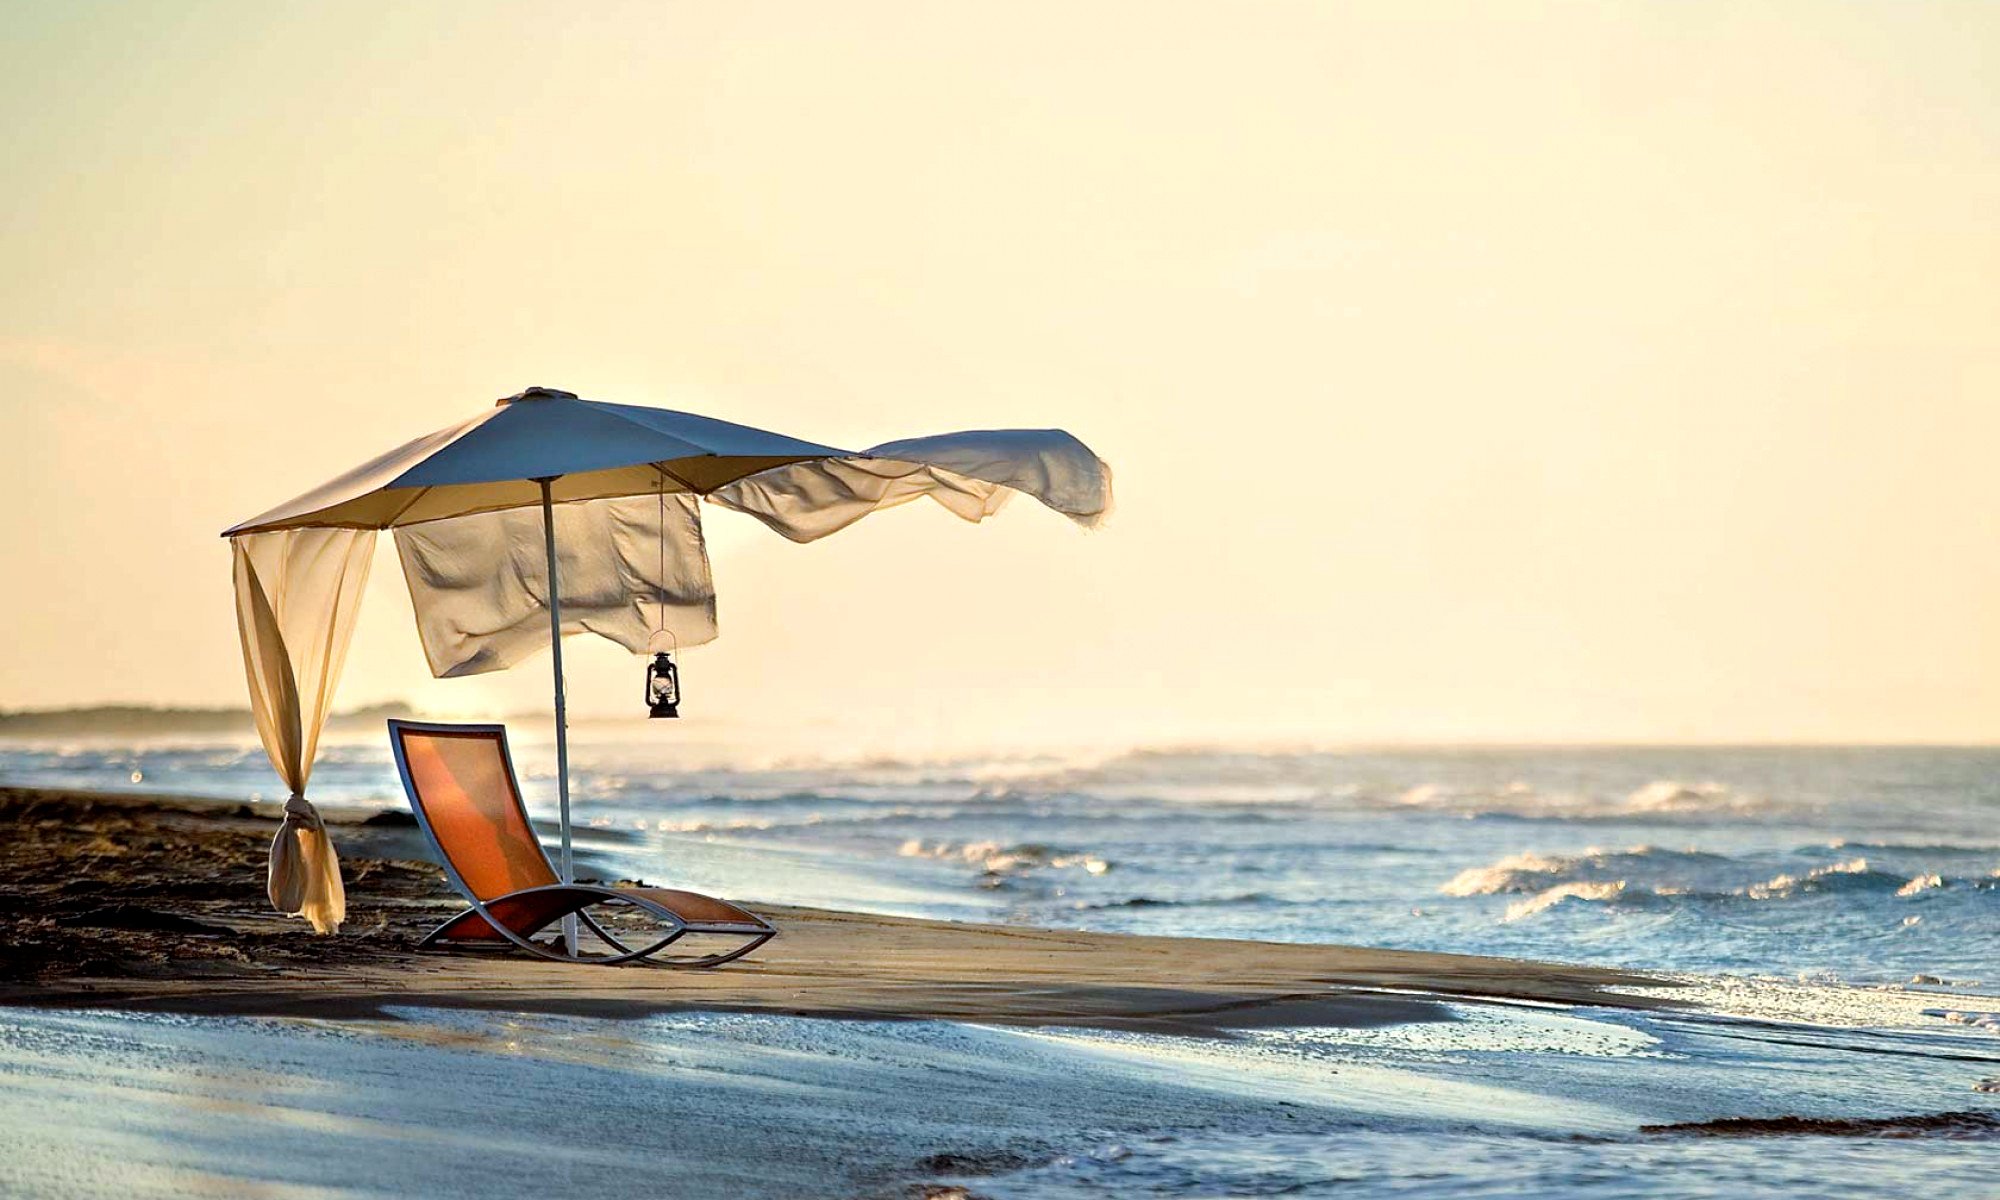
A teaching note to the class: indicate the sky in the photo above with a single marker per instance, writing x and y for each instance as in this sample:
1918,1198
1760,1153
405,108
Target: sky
1483,372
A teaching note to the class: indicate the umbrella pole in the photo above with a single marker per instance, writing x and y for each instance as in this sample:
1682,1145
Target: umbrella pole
562,716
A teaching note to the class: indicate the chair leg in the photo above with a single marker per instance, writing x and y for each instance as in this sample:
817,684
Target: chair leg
707,960
625,954
716,960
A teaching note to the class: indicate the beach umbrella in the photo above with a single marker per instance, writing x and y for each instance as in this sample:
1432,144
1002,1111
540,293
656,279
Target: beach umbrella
548,515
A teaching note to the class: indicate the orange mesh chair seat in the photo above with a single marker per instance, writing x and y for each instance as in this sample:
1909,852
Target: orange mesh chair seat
461,784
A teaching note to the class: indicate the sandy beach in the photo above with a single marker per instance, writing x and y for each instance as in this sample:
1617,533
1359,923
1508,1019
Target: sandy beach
142,902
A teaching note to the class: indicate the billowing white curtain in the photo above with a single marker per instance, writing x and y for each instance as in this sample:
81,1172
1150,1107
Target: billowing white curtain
298,593
972,474
630,566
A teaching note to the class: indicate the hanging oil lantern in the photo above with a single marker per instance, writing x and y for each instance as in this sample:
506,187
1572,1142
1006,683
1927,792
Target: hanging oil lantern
663,686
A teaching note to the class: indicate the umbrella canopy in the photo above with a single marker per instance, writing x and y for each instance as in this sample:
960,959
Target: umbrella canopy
592,450
617,485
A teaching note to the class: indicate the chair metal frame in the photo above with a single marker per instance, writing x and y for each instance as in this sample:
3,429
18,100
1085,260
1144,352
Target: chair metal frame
757,931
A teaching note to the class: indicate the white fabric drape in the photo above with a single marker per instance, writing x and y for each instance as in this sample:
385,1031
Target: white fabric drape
971,473
479,584
298,593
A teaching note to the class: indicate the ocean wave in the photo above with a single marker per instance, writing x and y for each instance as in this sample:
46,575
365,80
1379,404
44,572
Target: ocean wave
1515,799
802,821
1977,1020
1670,795
1256,785
997,859
1646,875
1986,850
1570,891
1661,799
730,825
1854,874
1532,872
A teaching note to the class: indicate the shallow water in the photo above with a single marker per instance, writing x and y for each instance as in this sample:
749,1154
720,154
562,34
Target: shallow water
1836,913
1499,1100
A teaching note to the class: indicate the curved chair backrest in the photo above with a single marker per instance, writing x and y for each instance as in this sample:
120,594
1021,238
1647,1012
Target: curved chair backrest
460,780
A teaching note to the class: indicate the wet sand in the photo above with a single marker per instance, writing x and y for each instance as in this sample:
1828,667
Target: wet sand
156,903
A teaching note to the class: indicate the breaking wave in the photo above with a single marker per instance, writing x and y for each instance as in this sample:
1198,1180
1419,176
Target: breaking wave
1568,891
1854,874
1661,799
995,859
1531,872
1647,875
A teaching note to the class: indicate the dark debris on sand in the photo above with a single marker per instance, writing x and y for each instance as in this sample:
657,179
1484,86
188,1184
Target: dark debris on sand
1975,1125
141,887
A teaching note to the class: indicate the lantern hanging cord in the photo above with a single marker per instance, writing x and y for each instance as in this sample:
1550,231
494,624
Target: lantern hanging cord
660,580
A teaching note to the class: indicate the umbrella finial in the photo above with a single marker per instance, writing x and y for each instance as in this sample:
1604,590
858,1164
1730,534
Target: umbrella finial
536,393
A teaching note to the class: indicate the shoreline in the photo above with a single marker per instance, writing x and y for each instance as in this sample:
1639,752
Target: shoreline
147,988
155,903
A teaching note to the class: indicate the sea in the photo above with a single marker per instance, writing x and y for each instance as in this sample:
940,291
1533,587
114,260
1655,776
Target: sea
1835,909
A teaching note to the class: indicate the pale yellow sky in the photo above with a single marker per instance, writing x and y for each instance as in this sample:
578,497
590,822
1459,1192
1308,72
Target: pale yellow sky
1504,371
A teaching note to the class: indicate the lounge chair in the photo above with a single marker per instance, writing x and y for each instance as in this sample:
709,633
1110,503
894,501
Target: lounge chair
460,779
